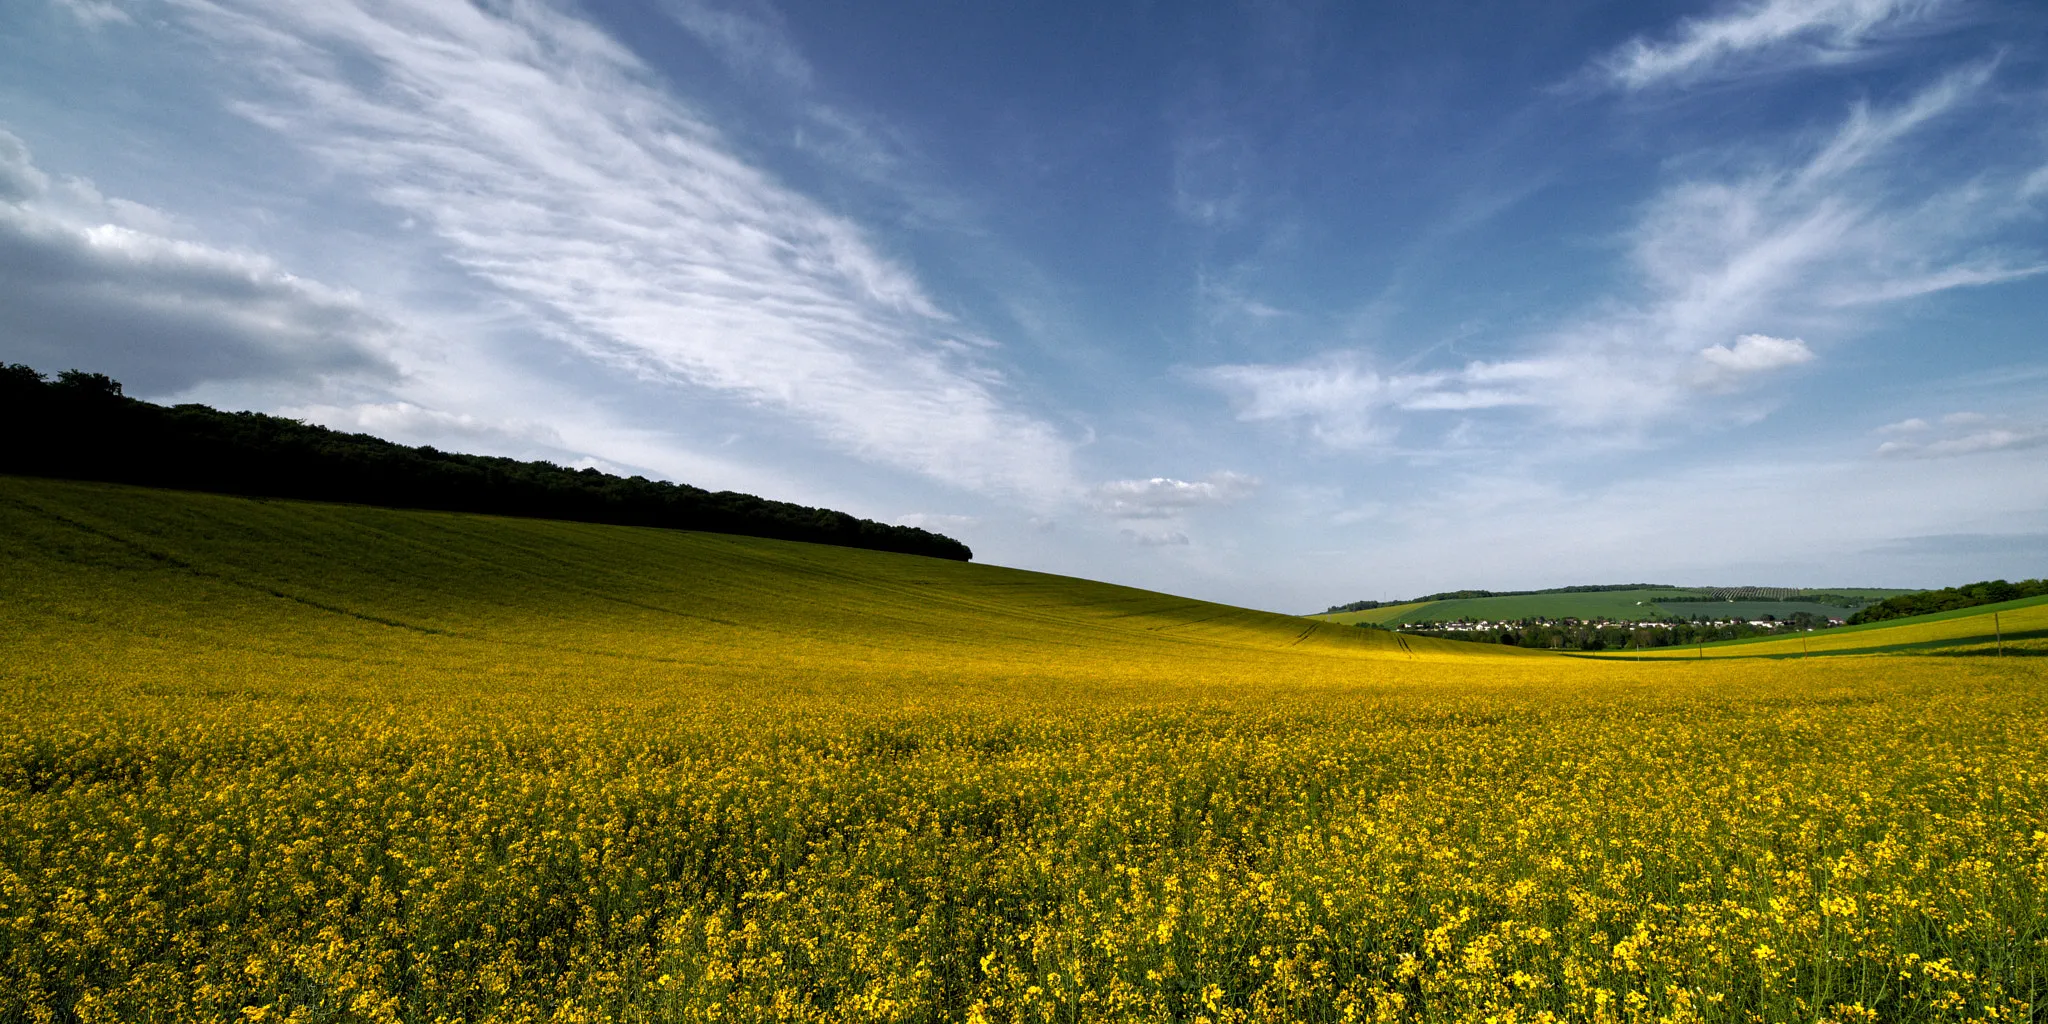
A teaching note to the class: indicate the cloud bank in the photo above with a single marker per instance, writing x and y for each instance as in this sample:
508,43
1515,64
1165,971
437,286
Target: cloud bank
96,283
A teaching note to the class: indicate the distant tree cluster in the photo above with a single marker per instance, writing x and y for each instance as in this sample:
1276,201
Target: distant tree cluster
80,426
1968,595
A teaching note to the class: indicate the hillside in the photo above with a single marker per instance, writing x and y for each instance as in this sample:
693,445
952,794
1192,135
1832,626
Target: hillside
94,568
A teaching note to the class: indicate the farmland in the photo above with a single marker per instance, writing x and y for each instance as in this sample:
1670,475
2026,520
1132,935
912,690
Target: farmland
2019,627
271,760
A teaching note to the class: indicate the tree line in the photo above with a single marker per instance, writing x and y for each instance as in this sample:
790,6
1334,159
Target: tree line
1969,595
80,426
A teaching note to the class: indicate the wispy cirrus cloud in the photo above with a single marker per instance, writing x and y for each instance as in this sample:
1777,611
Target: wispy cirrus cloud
1958,434
94,13
1727,265
549,163
751,38
1771,36
106,284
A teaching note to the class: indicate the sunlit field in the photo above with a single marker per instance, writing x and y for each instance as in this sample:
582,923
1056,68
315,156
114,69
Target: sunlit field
285,761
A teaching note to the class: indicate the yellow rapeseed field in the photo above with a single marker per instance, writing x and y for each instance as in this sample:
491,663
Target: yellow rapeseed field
274,761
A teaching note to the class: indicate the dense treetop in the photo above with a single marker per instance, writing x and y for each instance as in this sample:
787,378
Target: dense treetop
80,426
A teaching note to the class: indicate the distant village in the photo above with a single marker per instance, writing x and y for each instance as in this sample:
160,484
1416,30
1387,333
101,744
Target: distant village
1597,634
1767,622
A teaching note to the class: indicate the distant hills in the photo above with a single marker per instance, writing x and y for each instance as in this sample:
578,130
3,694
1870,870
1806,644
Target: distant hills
1642,602
1463,595
1635,602
80,426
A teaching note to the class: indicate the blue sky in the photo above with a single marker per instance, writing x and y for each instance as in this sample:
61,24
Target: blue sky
1283,304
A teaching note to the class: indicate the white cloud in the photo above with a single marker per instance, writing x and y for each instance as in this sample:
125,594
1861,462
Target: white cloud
1765,35
90,282
1809,243
1867,134
1995,439
1959,434
550,164
1161,497
1752,354
1338,395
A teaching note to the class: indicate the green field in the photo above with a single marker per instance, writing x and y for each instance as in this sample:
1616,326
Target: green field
2019,628
270,760
1629,605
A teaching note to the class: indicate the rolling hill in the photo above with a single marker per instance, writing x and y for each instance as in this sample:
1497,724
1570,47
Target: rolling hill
313,591
319,590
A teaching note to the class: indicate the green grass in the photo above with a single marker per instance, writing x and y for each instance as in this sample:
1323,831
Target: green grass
1748,611
1377,616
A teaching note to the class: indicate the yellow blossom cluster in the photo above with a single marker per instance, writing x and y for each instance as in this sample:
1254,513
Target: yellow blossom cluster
272,762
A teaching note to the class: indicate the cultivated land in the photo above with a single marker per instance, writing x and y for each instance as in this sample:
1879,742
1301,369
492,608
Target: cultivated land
2017,628
1619,605
275,760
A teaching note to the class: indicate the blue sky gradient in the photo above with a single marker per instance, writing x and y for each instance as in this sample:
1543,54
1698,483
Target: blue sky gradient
1283,304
